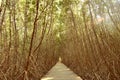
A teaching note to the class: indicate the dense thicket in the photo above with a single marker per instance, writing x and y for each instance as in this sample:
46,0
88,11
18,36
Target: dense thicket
35,33
26,39
92,39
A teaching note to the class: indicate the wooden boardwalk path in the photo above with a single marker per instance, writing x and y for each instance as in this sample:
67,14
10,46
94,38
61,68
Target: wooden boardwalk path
60,72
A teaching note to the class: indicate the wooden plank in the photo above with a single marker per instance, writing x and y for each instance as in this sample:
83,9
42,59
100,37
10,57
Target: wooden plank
60,72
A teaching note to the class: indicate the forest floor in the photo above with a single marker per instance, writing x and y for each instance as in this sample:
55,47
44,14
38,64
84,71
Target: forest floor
60,72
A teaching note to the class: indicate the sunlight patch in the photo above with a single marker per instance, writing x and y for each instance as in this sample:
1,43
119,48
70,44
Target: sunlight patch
49,78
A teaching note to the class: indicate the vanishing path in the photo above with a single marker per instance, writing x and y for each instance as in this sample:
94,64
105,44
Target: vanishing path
60,72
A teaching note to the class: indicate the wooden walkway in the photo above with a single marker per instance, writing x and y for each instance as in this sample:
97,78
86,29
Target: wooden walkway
60,72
